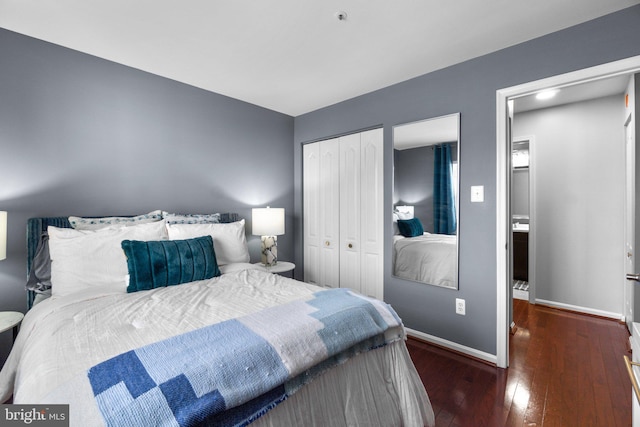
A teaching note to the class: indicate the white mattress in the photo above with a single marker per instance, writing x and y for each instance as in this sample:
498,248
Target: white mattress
61,337
430,258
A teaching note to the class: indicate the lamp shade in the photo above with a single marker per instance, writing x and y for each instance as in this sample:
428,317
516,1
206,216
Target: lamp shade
267,221
3,234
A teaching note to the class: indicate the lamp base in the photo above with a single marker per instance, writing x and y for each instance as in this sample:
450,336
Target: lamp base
269,255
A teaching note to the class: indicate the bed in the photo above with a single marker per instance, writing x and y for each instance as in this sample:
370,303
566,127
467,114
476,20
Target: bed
243,346
427,258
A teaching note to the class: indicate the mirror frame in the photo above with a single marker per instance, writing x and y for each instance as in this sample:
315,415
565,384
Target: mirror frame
457,195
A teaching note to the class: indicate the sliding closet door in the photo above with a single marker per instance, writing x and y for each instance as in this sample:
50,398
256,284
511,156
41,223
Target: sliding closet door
350,212
361,212
310,206
343,212
372,208
321,200
329,214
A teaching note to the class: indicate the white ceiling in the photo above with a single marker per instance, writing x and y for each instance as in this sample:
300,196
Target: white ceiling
426,132
294,56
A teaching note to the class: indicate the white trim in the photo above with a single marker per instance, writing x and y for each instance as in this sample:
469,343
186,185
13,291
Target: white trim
611,69
629,263
452,346
533,216
579,309
624,66
502,234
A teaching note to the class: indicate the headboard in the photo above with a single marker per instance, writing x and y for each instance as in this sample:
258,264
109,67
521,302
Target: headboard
37,226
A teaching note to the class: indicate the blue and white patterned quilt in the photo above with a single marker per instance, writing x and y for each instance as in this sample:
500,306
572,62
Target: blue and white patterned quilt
233,372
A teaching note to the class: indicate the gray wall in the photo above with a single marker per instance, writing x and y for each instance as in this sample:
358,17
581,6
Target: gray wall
470,88
414,182
84,136
579,216
520,192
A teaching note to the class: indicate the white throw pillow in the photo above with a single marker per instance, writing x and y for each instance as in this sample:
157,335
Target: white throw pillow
82,258
80,223
229,240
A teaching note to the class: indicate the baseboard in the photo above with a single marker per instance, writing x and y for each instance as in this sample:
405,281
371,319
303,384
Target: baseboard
467,351
584,310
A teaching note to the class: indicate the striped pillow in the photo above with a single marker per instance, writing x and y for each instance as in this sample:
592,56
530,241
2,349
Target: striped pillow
410,227
160,263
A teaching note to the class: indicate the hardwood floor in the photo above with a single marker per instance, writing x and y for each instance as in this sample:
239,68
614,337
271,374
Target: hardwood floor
566,369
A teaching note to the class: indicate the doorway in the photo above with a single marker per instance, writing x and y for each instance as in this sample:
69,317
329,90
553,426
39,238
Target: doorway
503,176
522,204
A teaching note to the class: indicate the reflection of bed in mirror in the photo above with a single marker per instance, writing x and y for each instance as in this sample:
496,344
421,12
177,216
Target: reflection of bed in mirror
425,196
429,258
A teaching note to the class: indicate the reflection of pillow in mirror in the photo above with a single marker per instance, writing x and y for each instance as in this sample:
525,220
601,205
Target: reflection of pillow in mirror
229,239
410,227
404,215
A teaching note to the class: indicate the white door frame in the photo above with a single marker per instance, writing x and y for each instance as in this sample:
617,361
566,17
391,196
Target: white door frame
629,213
503,152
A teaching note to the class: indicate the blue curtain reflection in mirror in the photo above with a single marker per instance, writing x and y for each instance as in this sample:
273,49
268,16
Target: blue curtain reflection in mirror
444,205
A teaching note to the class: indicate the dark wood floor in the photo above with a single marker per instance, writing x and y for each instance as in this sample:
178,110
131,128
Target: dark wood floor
566,369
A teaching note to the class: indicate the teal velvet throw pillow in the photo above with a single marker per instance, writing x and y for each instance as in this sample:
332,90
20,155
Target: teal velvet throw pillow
160,263
410,227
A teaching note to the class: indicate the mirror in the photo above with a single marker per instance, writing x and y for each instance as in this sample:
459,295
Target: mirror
425,201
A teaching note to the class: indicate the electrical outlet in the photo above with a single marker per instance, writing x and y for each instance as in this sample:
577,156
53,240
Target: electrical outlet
460,306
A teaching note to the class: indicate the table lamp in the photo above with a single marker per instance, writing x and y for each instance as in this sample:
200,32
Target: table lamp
269,224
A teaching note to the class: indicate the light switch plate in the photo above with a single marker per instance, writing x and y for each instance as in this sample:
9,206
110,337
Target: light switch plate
477,193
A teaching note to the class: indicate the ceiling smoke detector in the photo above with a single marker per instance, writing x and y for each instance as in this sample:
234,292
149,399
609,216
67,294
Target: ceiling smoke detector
342,16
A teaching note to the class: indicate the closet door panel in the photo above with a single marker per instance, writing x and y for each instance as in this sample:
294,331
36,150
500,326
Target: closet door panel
329,208
350,211
372,219
344,213
311,220
371,281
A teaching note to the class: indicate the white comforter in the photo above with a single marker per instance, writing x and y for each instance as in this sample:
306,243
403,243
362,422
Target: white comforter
430,258
61,337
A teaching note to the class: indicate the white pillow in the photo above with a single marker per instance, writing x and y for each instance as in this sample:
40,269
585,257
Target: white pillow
80,223
173,218
404,215
229,240
82,258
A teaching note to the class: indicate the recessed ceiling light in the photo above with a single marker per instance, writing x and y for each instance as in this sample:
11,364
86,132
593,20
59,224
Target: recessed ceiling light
546,94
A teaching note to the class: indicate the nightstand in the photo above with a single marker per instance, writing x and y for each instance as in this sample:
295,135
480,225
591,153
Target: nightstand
280,267
10,320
